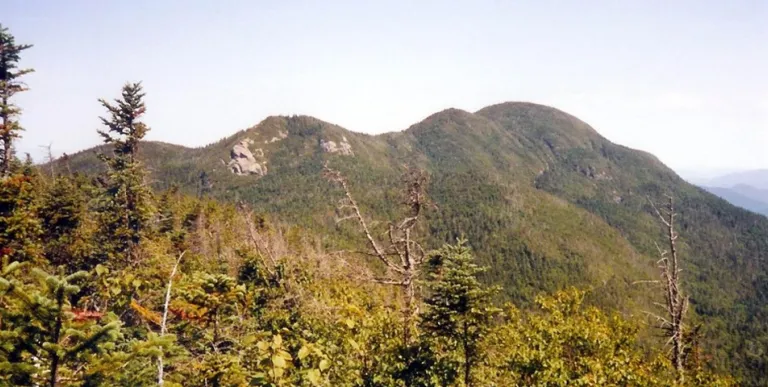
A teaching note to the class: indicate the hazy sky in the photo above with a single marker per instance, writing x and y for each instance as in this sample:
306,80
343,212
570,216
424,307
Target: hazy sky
685,80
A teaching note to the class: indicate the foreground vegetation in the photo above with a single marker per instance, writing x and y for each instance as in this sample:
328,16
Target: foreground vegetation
208,294
106,282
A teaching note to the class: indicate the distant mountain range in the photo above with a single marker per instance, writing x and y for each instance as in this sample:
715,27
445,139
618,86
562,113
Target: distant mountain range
757,178
747,189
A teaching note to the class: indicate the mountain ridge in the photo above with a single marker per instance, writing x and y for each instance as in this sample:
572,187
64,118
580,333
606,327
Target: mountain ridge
747,197
542,197
757,178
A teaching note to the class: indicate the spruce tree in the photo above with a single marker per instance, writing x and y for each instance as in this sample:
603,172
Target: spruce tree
214,300
168,222
126,208
10,84
62,213
20,227
459,308
44,339
205,186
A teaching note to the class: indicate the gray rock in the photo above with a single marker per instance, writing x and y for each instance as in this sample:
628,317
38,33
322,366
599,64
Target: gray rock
243,162
280,135
342,147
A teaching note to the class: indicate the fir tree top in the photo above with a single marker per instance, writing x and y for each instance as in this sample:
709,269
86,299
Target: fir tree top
124,128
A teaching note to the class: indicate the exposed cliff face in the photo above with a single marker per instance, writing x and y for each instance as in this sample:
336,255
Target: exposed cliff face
342,147
243,162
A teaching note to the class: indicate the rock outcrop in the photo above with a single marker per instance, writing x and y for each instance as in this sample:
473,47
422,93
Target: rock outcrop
280,135
342,147
243,162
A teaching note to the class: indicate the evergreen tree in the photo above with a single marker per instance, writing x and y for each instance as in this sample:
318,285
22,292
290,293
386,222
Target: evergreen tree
62,214
168,222
459,308
213,300
126,208
20,227
10,84
205,186
44,339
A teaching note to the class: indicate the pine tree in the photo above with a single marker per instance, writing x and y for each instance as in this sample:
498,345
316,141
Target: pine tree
126,208
459,308
10,84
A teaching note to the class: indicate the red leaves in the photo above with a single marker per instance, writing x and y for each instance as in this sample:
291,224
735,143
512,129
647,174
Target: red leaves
85,315
183,314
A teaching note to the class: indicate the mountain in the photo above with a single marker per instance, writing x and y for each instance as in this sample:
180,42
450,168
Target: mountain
757,178
744,196
758,194
542,197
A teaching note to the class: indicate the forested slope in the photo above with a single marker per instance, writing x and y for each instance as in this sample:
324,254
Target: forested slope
543,199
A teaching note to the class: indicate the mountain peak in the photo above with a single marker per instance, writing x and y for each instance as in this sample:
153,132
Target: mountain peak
549,124
519,108
450,114
516,105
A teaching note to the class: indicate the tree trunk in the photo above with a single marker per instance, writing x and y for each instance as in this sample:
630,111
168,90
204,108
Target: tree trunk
55,339
467,358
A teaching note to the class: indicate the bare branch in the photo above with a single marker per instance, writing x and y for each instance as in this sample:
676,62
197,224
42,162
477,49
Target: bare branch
646,282
387,281
658,213
258,241
398,235
339,220
163,329
676,304
336,176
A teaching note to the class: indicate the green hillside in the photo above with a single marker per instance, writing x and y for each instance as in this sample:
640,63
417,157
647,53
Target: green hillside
542,198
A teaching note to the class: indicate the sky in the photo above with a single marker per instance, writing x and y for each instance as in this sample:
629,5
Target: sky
684,80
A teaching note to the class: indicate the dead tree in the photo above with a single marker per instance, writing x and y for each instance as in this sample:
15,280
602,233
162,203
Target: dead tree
676,303
65,160
164,321
401,255
258,240
50,159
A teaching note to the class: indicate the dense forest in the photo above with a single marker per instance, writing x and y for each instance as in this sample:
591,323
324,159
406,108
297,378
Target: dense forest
118,271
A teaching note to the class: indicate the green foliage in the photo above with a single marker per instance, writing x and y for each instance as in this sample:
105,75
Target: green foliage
543,199
45,339
283,314
125,207
67,228
565,342
10,85
459,310
20,228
